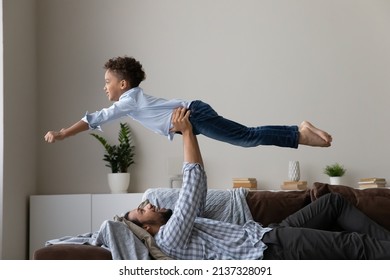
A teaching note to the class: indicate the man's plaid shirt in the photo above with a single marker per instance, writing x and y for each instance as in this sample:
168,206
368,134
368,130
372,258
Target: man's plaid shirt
189,236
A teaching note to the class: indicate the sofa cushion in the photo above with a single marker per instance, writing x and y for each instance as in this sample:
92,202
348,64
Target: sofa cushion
375,202
72,252
269,207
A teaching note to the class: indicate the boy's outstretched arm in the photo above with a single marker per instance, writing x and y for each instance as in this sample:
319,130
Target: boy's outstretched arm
78,127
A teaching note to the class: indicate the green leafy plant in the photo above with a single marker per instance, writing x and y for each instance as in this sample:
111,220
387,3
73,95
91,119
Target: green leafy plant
119,157
334,170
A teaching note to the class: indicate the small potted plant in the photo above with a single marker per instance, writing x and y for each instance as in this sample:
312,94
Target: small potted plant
335,172
119,158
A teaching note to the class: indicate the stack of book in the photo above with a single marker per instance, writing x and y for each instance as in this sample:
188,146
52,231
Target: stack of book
294,185
249,183
372,183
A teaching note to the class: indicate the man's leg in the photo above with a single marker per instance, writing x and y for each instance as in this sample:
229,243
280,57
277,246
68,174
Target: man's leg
290,243
333,208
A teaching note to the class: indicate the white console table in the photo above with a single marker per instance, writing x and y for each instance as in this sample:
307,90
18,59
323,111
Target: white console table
55,216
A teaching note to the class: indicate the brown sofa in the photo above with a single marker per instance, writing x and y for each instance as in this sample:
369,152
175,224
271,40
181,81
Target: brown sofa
266,207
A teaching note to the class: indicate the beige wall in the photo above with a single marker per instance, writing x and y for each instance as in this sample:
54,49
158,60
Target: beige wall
258,62
20,124
1,129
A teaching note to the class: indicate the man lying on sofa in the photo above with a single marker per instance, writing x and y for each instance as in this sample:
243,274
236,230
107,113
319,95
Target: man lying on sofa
184,234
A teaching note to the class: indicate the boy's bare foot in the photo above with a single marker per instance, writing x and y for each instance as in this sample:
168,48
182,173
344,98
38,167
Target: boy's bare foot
311,136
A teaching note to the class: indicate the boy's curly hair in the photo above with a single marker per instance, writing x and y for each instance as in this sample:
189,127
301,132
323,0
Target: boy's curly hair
127,68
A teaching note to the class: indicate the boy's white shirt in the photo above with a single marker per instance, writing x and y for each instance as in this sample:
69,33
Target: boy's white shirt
152,112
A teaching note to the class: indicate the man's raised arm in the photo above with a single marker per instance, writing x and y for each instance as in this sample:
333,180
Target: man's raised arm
180,122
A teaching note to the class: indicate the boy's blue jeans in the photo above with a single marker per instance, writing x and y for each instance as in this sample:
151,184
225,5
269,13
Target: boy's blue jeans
206,121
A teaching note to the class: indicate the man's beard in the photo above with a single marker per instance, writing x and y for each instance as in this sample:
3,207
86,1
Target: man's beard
166,215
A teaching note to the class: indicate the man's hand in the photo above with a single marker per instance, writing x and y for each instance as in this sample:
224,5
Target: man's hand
181,123
180,120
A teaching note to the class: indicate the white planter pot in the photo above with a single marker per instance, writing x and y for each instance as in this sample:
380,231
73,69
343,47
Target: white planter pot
335,180
118,182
